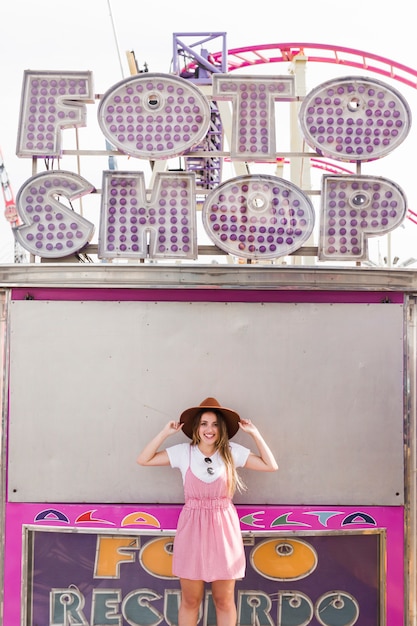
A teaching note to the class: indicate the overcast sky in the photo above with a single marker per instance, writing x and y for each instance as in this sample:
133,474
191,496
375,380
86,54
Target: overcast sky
95,35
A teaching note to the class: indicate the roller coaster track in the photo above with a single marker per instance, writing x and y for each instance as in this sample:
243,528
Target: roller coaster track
250,56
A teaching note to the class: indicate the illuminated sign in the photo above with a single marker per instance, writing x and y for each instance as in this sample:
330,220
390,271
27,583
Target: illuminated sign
50,102
154,116
354,120
128,217
158,116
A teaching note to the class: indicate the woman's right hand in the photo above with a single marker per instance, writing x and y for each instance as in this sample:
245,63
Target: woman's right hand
171,428
150,454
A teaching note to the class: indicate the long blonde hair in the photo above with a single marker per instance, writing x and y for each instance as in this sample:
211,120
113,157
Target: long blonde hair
234,481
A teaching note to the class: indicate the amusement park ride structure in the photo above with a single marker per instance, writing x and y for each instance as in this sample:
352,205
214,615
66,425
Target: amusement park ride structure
10,212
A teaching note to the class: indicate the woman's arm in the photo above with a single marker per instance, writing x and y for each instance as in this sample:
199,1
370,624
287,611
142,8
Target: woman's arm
265,461
150,454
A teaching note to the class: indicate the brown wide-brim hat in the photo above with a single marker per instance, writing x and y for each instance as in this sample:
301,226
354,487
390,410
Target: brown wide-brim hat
231,418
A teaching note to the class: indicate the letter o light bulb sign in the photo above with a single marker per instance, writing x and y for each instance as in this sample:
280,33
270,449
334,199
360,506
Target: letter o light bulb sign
354,119
154,116
258,217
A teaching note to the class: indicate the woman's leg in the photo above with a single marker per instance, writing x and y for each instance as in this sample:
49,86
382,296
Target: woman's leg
224,600
191,597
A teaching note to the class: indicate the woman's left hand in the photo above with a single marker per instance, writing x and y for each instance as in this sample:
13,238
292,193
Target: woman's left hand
265,460
247,426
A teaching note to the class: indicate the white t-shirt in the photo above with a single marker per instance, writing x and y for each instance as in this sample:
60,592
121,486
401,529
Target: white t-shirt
185,455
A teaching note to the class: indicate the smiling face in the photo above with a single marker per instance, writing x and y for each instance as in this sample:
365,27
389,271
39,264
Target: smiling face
209,428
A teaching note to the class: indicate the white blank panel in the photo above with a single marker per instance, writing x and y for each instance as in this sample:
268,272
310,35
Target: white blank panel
92,382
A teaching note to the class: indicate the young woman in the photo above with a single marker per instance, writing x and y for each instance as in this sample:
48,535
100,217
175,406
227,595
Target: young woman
208,545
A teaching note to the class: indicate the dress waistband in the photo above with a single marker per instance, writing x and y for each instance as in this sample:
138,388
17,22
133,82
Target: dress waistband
207,503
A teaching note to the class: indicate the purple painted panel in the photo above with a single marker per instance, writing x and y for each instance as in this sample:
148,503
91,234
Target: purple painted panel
209,294
87,577
346,541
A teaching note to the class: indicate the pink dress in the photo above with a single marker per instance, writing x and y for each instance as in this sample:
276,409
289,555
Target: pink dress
208,544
